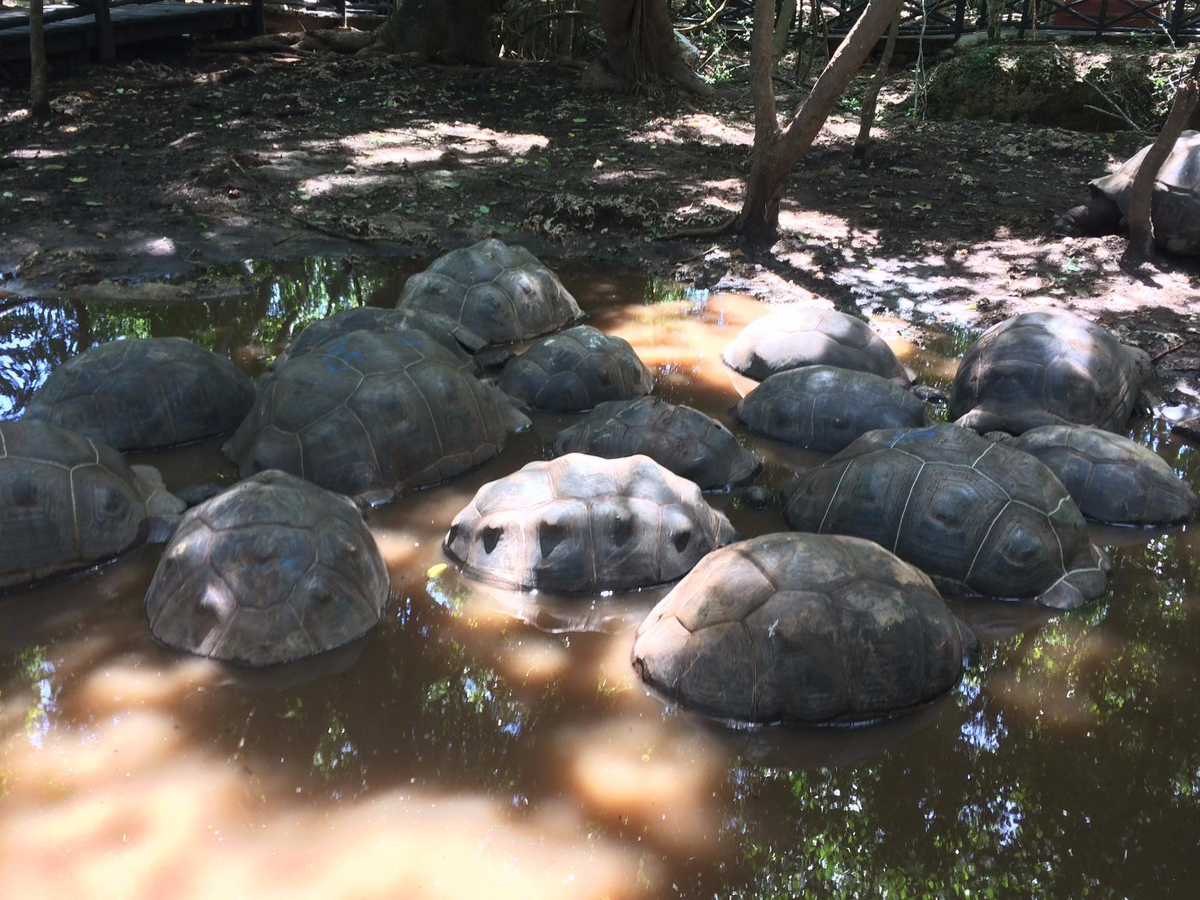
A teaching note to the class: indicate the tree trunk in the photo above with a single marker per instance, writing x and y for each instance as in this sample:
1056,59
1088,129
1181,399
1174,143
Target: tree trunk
776,152
640,48
866,117
783,28
994,9
1141,196
39,98
453,30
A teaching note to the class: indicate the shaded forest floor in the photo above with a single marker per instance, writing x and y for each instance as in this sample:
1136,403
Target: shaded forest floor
152,169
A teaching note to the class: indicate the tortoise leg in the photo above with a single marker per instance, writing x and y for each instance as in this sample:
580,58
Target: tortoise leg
1098,216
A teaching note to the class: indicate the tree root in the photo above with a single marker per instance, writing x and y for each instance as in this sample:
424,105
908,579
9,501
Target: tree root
723,227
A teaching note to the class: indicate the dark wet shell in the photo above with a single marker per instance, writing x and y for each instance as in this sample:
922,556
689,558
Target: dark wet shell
978,516
501,293
825,408
371,412
457,339
1047,368
686,441
575,370
67,501
144,393
1174,205
801,627
1109,477
271,570
795,338
582,524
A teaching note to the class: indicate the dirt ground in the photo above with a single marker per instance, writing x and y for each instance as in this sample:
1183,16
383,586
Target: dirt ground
163,167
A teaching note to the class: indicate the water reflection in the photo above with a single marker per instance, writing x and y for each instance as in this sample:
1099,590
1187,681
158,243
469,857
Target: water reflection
501,746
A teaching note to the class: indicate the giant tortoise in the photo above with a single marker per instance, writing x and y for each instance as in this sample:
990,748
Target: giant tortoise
457,339
1047,368
145,393
271,570
685,440
575,370
1111,478
825,408
371,413
980,517
582,524
501,293
801,627
71,502
1174,201
795,338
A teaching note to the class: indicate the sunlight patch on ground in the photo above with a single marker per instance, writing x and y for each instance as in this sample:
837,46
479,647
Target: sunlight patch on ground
396,145
127,812
694,129
323,184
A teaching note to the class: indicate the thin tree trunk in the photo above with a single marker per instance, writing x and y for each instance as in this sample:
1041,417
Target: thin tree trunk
871,98
994,8
1141,195
39,98
776,152
783,28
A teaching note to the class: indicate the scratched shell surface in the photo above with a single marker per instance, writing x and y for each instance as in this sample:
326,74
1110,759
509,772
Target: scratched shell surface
271,570
575,370
979,517
144,393
801,627
68,502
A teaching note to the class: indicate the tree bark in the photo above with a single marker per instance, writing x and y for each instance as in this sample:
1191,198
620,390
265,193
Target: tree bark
866,117
783,28
640,49
777,151
39,97
994,8
453,30
1141,195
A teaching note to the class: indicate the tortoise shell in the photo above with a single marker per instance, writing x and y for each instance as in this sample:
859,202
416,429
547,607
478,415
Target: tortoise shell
795,338
575,370
457,339
1174,207
980,517
269,571
686,441
501,293
582,524
1111,478
369,412
1047,368
69,501
825,408
801,627
144,393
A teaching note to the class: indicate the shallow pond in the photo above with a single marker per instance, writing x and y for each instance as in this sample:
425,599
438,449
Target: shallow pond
480,744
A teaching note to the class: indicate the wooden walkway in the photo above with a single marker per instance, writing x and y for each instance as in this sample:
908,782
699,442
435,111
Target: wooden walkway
127,25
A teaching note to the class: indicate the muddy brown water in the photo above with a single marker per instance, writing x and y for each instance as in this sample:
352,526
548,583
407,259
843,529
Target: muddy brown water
486,744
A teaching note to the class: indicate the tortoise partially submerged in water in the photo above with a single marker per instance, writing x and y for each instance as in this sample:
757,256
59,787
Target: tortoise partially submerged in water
825,408
456,338
271,570
582,524
371,413
1111,478
1047,368
576,369
501,293
979,517
71,502
795,338
1174,202
145,393
686,441
801,627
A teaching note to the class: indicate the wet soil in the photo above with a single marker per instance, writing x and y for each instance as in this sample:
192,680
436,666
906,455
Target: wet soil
165,167
484,743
